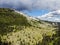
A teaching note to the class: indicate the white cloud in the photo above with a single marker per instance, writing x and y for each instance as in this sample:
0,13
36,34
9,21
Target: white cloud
51,16
57,19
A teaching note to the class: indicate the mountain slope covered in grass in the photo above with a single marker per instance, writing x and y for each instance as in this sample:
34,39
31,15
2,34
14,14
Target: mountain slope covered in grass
16,29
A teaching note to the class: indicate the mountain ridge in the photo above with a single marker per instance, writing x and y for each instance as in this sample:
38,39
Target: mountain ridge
17,29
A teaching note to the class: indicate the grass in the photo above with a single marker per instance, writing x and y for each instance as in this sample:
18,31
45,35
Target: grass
15,29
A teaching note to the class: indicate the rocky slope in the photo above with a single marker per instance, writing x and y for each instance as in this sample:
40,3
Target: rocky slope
19,29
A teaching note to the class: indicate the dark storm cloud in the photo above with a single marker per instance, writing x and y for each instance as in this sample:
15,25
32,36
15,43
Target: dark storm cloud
30,4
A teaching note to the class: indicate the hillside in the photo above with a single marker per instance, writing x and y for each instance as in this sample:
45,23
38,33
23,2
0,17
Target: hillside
16,29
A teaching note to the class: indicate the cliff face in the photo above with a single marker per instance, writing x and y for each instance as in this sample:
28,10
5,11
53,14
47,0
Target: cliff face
16,29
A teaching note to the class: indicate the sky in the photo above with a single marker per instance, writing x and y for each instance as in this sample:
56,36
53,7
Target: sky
32,7
51,16
36,13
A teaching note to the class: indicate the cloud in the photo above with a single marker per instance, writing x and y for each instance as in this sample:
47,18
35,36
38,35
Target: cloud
53,16
31,4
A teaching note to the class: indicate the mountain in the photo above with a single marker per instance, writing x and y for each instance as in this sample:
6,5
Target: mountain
17,28
51,16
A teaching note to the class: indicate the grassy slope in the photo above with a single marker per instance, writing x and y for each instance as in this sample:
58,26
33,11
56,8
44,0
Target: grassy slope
15,29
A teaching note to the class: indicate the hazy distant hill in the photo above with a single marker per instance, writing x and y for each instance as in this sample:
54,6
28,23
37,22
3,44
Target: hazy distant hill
17,29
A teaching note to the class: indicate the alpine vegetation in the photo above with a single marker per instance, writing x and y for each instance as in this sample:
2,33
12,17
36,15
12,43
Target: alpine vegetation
20,29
